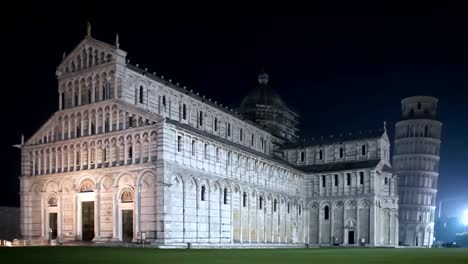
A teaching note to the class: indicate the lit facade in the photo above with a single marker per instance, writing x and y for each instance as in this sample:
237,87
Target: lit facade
129,152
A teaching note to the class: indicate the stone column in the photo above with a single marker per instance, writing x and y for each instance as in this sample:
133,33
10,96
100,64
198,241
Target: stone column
125,151
149,146
137,208
60,101
59,216
97,212
69,128
33,164
81,158
68,160
133,149
115,224
81,125
117,127
79,93
93,87
110,120
90,124
331,223
372,222
57,157
63,129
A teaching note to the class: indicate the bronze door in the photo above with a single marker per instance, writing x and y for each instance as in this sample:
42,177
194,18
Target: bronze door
127,225
53,225
87,220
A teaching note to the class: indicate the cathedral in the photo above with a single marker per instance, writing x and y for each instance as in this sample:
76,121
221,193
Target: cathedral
132,156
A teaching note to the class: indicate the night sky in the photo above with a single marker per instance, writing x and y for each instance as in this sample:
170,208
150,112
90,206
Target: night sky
342,68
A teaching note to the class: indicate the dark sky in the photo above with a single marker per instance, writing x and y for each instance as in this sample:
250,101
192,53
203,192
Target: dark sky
342,67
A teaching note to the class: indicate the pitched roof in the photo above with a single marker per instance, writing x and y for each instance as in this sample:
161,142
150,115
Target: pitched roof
361,135
196,96
340,166
236,145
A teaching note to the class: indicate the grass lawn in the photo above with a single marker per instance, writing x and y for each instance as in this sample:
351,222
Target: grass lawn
84,255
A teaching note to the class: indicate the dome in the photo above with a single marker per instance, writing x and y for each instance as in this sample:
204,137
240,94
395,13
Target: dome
262,96
265,107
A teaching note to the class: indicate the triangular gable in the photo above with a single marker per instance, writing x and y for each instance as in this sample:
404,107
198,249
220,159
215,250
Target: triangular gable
89,49
55,121
41,132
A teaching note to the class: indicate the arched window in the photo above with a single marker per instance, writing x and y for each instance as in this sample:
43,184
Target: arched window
93,155
225,200
241,134
320,154
215,124
260,203
288,208
323,180
141,95
184,112
76,99
62,103
78,131
361,177
130,152
336,179
203,193
89,96
78,155
127,197
93,128
179,143
363,150
106,125
164,102
244,199
341,153
252,140
193,147
200,118
302,156
228,125
326,214
104,155
104,92
275,204
206,151
348,178
52,202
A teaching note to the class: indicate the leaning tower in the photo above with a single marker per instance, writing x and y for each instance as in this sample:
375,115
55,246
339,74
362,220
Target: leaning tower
416,161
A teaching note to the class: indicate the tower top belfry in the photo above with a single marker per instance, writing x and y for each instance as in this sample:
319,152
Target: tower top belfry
419,107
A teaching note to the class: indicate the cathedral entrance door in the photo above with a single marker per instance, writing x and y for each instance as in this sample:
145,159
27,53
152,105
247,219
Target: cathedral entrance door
127,225
87,220
53,225
350,237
